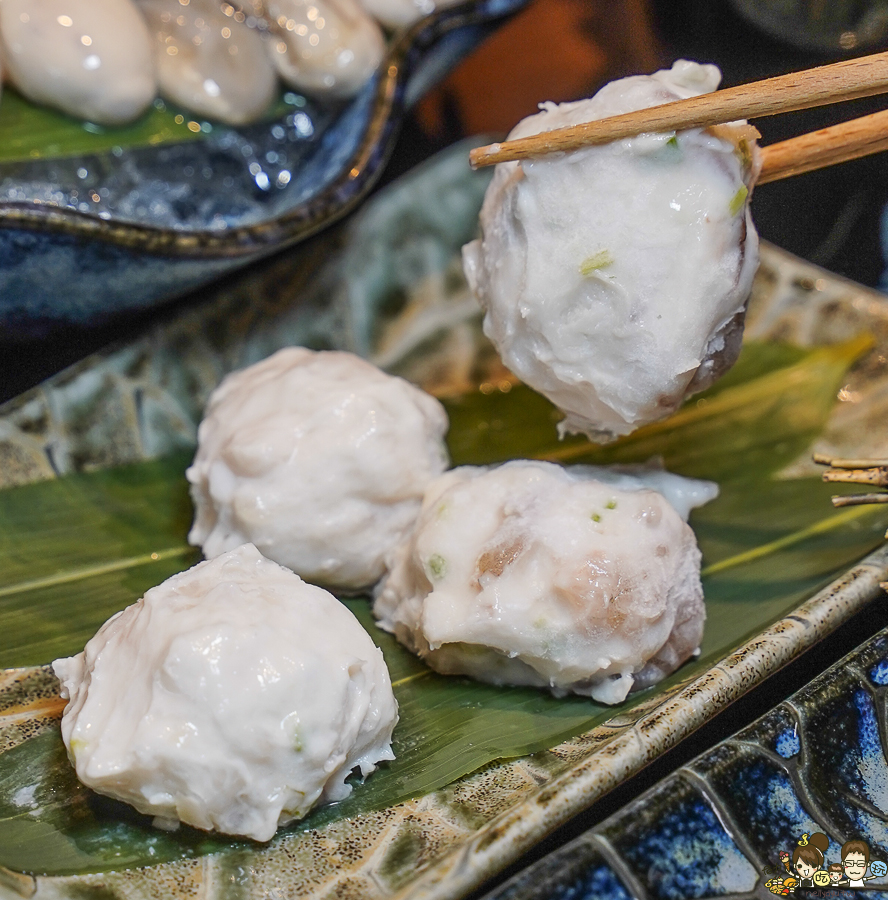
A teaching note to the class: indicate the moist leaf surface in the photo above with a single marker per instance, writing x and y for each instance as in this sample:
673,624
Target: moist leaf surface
76,550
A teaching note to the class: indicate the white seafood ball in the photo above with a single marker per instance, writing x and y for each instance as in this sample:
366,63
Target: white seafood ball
328,48
615,278
208,62
398,13
530,574
92,59
232,697
318,458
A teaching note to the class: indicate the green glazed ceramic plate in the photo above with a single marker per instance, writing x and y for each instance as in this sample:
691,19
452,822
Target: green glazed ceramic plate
94,510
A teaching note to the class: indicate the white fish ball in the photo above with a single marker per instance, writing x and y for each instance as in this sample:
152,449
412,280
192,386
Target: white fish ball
232,697
318,458
208,62
575,580
615,278
328,48
400,13
92,59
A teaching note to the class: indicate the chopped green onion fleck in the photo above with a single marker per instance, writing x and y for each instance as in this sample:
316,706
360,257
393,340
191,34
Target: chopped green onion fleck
596,517
611,504
437,566
738,200
596,261
670,151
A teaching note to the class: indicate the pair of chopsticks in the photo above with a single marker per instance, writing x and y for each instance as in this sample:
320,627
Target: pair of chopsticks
847,80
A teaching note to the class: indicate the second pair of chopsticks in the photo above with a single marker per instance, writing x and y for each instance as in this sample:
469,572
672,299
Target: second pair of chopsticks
847,80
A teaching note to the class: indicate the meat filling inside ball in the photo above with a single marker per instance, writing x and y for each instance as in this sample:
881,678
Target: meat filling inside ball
575,580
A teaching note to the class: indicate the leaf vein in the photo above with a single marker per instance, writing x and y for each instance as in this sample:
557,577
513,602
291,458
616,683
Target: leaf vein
72,575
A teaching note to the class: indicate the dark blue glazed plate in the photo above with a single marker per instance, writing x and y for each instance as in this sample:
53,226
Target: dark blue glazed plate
174,217
732,822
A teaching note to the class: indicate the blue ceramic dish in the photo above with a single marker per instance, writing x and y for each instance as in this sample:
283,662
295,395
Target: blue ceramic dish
727,823
60,264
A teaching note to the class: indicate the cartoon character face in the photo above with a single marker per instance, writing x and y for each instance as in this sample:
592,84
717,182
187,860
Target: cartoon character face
835,876
805,870
855,866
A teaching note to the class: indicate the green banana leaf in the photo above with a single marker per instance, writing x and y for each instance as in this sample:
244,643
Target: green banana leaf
751,423
74,551
29,131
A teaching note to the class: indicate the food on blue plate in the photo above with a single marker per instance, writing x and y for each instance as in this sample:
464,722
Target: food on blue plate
89,58
615,278
210,63
232,697
328,48
319,459
104,60
579,580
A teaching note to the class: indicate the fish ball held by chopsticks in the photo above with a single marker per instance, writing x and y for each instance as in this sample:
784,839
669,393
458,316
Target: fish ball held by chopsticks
615,278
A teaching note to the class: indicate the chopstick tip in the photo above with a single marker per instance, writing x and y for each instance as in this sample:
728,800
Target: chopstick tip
484,156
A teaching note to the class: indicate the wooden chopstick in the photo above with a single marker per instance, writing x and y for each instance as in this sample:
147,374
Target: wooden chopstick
826,147
846,80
